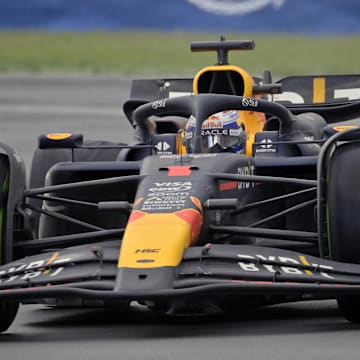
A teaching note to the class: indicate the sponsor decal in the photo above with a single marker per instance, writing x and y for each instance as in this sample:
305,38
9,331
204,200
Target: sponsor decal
145,261
147,251
320,93
158,104
170,195
266,146
249,263
58,136
162,147
164,202
213,132
350,94
249,102
287,96
239,185
175,186
246,170
344,127
33,269
235,132
212,123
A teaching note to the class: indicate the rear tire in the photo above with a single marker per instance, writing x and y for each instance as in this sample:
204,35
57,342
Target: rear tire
44,159
343,202
8,311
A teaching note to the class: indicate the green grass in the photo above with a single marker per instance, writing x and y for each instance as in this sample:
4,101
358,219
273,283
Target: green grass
152,53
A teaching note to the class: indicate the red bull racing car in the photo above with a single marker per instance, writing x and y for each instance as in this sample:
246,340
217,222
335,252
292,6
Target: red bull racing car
235,192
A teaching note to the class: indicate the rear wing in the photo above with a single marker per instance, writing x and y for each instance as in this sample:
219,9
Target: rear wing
335,97
319,89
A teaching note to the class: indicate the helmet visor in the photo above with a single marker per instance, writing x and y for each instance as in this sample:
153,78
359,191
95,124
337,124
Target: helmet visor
232,139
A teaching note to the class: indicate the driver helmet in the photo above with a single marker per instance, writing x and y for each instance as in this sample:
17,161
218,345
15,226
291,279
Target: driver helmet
221,132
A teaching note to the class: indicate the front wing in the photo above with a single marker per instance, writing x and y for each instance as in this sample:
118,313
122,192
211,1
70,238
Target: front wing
89,272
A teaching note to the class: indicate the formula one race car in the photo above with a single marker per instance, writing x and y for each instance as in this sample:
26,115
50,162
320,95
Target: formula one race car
236,192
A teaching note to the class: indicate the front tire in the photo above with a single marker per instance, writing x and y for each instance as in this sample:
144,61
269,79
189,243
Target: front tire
343,202
8,311
349,305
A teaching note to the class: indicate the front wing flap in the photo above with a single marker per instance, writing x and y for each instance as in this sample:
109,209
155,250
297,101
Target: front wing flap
89,272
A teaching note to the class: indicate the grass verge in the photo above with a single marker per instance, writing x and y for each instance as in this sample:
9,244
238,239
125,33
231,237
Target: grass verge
154,53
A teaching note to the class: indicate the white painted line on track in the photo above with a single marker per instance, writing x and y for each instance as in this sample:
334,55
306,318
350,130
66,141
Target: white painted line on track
60,110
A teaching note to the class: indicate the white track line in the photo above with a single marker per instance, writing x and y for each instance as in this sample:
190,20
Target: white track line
60,110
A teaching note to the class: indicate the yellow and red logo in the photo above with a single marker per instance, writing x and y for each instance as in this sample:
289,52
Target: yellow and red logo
58,136
344,127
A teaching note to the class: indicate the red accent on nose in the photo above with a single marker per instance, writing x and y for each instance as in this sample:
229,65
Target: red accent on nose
194,218
197,202
179,170
136,214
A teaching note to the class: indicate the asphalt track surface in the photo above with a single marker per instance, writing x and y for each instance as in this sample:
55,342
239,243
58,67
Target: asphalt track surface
92,105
